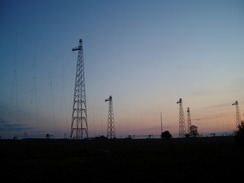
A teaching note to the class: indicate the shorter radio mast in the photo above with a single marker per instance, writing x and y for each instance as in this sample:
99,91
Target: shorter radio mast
111,128
238,114
188,120
182,128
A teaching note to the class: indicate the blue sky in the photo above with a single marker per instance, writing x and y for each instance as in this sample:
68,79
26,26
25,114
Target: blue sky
145,53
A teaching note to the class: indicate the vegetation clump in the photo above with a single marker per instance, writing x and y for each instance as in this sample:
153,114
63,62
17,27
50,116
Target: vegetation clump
166,135
239,134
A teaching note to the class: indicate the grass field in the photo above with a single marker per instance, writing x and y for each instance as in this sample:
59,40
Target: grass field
214,159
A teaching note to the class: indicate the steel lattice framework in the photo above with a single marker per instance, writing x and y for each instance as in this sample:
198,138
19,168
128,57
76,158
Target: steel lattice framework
188,120
111,127
79,127
182,128
238,114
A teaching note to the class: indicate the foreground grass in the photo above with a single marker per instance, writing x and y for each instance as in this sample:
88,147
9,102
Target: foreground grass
200,159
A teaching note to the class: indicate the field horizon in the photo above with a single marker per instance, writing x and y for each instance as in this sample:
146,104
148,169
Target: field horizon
208,159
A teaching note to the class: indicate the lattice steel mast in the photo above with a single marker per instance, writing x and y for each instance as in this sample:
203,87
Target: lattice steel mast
182,128
188,120
238,114
79,127
111,127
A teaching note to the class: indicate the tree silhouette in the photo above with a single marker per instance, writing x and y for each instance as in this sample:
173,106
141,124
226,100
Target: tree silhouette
239,134
166,135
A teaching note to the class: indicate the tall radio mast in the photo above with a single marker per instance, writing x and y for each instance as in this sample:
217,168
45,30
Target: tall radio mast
79,127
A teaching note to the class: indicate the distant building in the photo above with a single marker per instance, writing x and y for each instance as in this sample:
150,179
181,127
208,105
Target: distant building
194,131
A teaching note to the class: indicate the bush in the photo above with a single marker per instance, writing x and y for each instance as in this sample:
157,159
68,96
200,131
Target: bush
166,135
239,134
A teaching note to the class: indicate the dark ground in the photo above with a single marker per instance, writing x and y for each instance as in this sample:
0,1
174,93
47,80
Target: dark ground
214,159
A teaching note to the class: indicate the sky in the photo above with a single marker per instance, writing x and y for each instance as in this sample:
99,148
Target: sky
145,53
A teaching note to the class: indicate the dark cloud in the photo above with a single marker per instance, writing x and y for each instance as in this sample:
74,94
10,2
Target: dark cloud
219,105
6,125
210,117
204,118
203,92
3,121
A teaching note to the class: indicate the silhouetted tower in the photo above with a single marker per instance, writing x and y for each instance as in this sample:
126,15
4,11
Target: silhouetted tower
111,128
188,120
79,127
238,114
182,128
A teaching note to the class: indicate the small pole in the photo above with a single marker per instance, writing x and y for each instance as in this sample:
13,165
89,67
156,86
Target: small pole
161,122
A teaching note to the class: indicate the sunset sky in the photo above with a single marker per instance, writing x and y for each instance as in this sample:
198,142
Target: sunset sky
145,53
